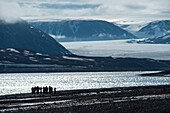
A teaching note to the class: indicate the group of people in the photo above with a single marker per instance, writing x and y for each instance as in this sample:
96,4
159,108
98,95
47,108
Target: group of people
43,90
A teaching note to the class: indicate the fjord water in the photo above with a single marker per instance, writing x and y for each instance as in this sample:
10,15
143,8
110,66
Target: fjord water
14,83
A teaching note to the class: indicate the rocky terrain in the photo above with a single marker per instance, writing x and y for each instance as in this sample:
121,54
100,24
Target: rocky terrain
19,60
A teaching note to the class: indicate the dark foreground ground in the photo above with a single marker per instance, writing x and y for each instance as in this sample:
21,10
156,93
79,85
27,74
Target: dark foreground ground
144,99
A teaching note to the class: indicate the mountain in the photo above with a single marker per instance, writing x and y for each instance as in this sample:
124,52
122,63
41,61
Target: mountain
159,40
154,29
77,30
22,35
21,60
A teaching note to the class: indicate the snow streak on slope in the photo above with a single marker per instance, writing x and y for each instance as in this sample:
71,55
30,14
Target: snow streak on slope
119,48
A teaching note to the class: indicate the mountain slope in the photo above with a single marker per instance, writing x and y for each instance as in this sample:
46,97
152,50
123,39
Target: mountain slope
22,35
154,29
159,40
75,30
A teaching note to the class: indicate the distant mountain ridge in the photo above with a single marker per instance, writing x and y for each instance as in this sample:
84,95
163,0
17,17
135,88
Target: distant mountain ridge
154,29
24,36
77,30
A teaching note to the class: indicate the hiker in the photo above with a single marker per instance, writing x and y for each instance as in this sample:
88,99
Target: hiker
40,90
46,90
33,89
55,91
50,89
43,90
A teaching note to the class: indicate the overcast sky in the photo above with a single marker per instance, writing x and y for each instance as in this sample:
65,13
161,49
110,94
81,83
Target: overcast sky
111,10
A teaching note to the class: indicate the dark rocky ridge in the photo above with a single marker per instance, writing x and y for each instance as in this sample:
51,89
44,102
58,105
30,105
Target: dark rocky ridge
18,60
77,30
24,36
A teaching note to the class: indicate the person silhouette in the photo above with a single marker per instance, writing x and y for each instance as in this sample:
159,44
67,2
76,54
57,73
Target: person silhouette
50,89
40,89
55,91
43,90
46,90
33,90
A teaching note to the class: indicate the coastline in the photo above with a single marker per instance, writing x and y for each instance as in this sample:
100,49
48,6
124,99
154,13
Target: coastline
119,99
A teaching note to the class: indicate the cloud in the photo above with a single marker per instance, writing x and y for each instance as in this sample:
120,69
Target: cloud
135,7
68,6
10,12
93,9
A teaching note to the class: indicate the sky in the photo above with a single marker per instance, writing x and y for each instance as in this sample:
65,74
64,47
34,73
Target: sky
109,10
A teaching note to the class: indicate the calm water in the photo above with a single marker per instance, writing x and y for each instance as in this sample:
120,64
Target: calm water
22,82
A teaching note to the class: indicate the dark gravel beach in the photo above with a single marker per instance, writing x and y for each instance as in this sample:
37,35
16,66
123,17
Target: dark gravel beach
142,99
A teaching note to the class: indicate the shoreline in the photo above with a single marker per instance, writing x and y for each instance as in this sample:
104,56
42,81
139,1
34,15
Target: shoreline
91,100
157,74
61,71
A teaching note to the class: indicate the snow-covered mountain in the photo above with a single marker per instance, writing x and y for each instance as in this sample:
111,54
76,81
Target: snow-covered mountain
159,40
77,30
154,29
24,36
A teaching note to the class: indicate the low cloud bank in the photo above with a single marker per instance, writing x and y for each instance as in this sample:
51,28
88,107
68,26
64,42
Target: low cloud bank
10,12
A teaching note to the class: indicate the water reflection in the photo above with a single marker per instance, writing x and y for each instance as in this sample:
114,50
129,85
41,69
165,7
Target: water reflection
22,82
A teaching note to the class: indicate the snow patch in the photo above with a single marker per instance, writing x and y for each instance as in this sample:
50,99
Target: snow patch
39,54
13,50
27,52
43,35
31,27
2,50
33,59
75,58
166,37
47,58
58,36
74,26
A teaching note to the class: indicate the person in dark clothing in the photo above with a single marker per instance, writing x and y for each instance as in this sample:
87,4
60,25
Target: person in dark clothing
33,89
50,90
43,90
55,91
46,90
40,89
